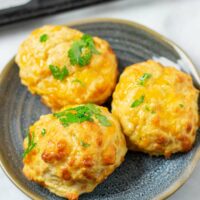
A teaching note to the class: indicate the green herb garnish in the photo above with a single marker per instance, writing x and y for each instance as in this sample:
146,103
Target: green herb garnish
59,74
144,78
97,114
90,43
31,144
85,145
102,119
81,51
43,38
78,81
138,102
181,105
80,114
43,132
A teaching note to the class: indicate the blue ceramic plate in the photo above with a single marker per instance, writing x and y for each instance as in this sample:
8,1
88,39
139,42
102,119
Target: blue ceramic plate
140,177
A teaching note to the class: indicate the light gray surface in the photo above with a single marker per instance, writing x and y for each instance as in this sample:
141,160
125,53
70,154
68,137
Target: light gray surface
176,19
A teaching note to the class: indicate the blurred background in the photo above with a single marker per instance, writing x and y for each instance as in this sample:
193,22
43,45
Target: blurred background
179,20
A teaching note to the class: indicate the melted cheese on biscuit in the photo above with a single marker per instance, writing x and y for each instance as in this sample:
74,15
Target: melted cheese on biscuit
74,159
166,121
98,78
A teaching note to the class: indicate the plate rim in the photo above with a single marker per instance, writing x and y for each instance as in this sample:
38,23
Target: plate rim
189,169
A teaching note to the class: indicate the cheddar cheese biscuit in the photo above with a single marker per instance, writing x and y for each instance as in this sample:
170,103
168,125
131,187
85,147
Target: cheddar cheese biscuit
72,151
65,66
157,108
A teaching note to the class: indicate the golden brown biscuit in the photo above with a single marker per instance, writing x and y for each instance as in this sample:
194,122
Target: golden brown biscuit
49,46
157,108
72,151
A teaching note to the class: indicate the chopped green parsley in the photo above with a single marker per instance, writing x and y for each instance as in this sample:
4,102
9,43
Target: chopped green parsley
137,102
181,105
31,144
85,145
81,51
144,78
80,114
43,132
43,38
58,73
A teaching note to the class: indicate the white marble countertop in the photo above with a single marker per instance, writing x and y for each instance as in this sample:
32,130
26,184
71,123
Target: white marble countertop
179,20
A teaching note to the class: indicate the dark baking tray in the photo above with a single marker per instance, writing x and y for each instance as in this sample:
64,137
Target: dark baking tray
36,8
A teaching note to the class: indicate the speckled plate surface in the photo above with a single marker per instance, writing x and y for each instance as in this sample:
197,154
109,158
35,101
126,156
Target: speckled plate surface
140,177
